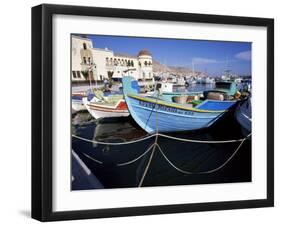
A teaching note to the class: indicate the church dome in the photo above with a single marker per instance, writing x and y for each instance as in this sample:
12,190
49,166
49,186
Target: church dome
144,52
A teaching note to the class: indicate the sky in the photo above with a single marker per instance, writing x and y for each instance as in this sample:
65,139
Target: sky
211,57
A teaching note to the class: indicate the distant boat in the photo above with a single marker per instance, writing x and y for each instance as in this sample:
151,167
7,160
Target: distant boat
155,114
243,115
205,80
106,107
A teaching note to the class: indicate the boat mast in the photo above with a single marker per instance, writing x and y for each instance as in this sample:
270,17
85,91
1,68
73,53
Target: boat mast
193,69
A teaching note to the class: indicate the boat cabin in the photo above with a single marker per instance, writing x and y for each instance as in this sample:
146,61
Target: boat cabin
164,87
230,88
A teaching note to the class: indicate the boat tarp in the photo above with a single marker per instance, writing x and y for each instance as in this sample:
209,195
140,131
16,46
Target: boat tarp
212,105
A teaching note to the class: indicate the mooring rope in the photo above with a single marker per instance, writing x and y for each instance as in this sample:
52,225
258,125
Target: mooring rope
92,158
202,172
113,143
162,135
149,162
202,141
137,158
123,163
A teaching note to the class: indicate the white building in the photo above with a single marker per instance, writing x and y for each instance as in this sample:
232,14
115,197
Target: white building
100,64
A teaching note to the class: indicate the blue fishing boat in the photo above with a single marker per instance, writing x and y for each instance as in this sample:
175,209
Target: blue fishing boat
154,114
243,115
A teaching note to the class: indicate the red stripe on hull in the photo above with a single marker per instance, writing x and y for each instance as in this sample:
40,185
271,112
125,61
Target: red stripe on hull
122,106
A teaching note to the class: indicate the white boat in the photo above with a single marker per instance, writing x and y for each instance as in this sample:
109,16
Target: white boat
107,107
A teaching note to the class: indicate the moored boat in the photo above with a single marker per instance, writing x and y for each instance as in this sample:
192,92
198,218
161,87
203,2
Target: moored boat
243,115
154,114
106,107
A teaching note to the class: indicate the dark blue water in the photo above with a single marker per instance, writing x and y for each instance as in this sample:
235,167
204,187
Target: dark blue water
193,157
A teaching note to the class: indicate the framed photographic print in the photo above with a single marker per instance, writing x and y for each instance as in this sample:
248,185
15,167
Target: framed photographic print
146,112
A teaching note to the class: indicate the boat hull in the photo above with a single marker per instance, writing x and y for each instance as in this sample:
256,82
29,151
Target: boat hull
158,117
243,115
102,111
77,105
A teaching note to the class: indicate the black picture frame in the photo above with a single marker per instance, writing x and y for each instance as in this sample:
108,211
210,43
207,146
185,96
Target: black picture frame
42,111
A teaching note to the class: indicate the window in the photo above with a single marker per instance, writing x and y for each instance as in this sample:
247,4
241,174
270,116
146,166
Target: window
145,63
84,60
84,46
89,60
78,74
132,63
74,74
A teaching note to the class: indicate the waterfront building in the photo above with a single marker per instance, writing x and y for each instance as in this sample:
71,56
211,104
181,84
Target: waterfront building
100,64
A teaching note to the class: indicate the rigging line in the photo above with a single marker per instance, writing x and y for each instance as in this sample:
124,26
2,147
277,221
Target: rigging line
151,111
203,172
120,143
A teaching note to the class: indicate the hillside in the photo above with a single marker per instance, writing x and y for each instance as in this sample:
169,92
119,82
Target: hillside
177,70
160,68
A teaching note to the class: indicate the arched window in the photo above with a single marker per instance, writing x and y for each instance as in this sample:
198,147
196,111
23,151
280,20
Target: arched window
84,60
145,63
132,63
84,46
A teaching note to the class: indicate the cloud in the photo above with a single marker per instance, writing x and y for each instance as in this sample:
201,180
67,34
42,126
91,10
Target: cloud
246,55
199,60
